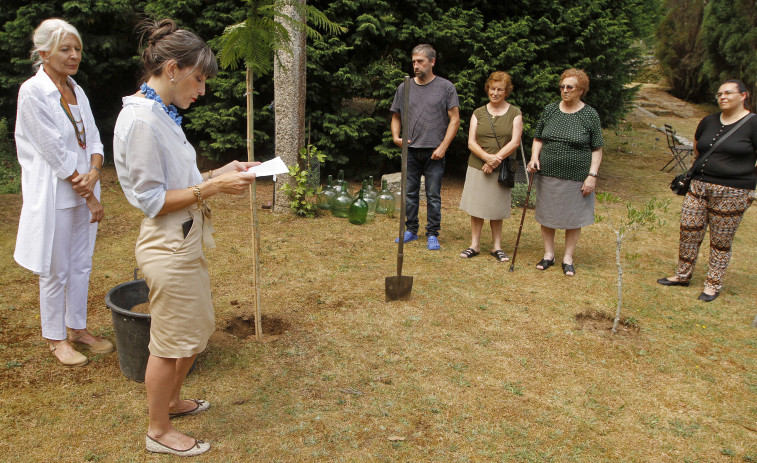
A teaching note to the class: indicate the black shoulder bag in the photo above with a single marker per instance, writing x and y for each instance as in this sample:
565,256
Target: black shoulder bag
680,184
507,172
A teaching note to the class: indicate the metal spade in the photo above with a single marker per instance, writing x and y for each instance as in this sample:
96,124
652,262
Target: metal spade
400,286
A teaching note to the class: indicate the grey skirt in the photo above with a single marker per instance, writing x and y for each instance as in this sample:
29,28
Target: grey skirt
560,204
484,197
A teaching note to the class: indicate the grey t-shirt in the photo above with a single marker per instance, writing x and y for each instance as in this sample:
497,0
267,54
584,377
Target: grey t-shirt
428,108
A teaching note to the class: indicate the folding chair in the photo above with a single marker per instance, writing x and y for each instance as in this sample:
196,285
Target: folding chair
680,152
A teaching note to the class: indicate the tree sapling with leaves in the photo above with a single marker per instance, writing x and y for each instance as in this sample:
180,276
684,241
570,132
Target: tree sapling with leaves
624,228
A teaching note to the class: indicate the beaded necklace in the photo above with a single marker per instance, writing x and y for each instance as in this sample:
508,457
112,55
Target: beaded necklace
81,135
171,110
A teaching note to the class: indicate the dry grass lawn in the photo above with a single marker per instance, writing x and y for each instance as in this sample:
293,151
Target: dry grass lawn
480,365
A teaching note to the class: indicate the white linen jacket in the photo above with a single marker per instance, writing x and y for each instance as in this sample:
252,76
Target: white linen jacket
47,151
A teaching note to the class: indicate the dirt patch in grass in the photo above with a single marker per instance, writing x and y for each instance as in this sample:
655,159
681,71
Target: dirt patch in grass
596,321
243,326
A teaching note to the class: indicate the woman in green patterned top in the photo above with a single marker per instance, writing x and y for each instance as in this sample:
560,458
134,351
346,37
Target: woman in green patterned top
494,134
567,151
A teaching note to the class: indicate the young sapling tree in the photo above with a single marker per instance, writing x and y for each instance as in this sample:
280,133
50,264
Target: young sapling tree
647,217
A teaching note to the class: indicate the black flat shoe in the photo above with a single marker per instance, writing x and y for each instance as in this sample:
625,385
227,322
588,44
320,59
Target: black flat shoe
708,297
545,264
568,268
666,282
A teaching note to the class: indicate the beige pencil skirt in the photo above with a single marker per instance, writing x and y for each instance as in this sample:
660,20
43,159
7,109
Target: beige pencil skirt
484,197
175,269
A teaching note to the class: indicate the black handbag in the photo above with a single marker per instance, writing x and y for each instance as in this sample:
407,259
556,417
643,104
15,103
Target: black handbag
507,172
681,182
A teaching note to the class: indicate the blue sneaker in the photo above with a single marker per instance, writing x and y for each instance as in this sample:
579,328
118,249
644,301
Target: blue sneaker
433,243
409,236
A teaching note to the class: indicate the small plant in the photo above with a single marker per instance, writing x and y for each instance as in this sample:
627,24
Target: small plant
624,133
13,364
515,387
302,197
635,219
518,194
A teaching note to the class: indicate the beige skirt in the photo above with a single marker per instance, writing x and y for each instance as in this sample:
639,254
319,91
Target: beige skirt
561,205
484,197
181,311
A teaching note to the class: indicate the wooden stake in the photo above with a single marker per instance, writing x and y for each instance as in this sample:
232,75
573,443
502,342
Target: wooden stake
254,212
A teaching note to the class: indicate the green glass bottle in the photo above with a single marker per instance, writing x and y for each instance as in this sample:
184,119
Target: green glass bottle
371,187
359,210
370,197
385,202
340,206
340,178
326,195
341,181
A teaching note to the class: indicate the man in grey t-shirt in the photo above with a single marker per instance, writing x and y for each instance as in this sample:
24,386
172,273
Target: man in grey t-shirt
434,117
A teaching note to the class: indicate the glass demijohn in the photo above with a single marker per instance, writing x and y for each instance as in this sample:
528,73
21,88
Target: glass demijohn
370,197
359,210
385,202
340,206
326,196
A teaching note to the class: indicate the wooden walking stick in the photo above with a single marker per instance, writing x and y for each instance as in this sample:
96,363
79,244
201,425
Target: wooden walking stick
522,218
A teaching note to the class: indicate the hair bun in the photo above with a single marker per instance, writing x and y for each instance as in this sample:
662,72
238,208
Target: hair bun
157,30
165,42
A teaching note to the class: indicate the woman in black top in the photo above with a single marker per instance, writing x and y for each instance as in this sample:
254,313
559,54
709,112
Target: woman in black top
721,191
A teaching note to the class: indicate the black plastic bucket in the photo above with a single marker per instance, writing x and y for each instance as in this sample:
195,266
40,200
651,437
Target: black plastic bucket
132,329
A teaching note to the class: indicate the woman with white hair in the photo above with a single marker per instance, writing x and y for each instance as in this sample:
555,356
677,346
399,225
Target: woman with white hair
60,153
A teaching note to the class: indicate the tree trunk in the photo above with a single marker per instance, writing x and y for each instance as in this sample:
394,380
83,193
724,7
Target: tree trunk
289,95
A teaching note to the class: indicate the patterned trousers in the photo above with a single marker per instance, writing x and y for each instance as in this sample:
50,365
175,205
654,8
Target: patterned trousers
722,208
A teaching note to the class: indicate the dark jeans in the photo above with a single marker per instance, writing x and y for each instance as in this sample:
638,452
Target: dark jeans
419,163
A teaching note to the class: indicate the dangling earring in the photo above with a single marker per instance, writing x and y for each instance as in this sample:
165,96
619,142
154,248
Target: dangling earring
47,61
171,78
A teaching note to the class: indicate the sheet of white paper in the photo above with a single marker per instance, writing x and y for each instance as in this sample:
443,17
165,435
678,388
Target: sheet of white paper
272,167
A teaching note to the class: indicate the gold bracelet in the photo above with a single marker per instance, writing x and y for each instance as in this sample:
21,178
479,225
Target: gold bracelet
197,193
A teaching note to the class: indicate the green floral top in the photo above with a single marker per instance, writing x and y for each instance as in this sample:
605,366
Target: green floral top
568,140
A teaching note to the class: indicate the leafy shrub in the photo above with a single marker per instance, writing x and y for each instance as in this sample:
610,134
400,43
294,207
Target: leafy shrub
518,193
680,49
10,170
730,42
302,197
534,41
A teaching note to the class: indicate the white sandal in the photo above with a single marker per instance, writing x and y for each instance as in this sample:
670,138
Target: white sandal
198,448
76,359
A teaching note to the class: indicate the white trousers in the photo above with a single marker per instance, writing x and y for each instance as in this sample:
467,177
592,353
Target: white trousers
63,291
